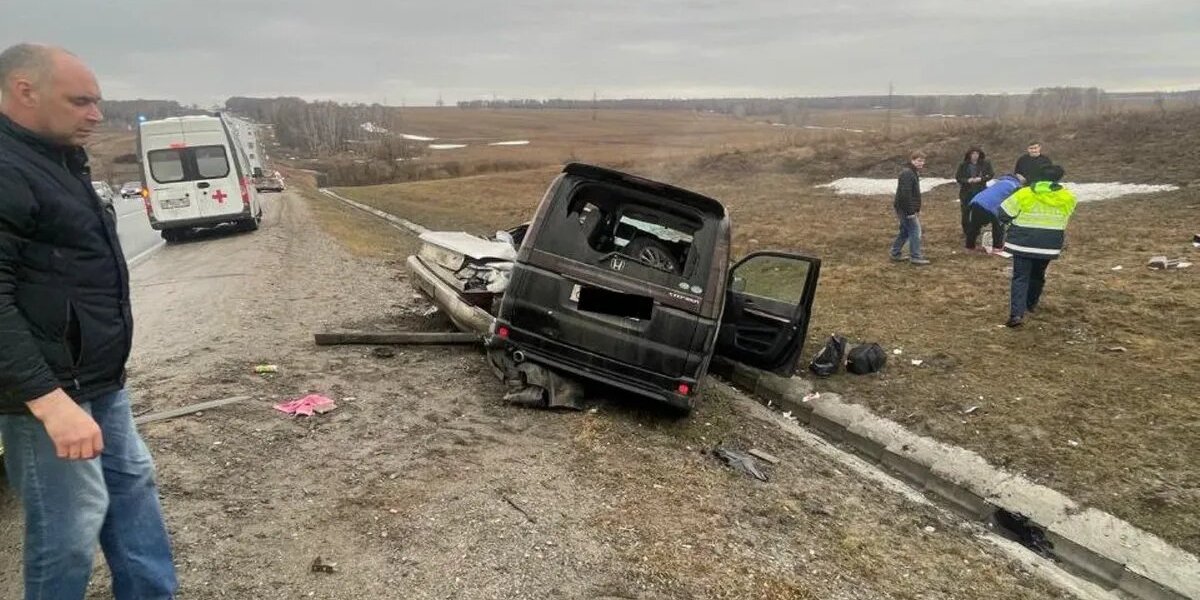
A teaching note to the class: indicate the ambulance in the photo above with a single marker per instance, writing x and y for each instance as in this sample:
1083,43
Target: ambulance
196,175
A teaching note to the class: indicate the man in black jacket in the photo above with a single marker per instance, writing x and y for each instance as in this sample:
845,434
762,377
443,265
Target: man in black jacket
1032,162
72,452
907,205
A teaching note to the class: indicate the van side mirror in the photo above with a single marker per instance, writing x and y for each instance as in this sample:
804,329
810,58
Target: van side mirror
258,172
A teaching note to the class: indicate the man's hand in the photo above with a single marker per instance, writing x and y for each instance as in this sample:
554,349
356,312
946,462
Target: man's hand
75,434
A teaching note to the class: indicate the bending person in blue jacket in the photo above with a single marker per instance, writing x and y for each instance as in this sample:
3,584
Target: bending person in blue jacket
1037,217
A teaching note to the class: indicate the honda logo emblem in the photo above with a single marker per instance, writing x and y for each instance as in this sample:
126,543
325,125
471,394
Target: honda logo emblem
618,264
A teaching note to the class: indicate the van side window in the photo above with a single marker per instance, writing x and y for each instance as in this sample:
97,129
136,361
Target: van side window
166,166
211,162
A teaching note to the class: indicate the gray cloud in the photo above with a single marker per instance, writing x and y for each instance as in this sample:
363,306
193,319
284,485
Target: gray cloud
361,50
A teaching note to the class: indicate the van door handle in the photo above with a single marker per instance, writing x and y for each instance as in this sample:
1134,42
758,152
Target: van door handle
202,184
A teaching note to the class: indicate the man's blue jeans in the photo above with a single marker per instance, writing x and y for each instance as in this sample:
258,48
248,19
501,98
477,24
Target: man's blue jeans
910,231
70,505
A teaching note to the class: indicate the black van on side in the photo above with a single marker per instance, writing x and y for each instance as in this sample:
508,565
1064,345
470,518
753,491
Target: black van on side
627,281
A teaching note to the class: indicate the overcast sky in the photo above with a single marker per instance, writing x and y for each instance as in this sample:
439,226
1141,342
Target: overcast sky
203,51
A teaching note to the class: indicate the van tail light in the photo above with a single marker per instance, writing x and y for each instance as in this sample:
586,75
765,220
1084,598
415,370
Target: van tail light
684,389
245,192
502,331
146,202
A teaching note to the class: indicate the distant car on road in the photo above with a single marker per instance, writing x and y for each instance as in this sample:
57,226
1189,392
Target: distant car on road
131,189
269,182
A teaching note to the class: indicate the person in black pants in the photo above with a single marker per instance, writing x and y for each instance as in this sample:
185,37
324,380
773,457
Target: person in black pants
973,174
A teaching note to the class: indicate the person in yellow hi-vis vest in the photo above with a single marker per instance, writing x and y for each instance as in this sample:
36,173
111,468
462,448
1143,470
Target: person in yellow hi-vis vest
1037,217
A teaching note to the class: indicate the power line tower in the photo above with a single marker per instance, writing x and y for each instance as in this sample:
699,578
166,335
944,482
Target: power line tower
887,124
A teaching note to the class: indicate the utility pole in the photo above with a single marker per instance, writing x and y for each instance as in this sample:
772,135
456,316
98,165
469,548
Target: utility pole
595,105
887,124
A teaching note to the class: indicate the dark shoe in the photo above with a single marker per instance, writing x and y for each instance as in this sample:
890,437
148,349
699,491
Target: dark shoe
1031,308
1014,322
897,258
920,262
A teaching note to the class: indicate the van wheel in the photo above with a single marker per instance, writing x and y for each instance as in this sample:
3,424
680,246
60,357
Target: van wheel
249,225
170,235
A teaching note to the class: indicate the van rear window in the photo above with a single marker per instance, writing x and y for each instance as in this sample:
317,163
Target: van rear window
188,164
211,162
166,166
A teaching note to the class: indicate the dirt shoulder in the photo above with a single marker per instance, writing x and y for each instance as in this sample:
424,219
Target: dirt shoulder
423,484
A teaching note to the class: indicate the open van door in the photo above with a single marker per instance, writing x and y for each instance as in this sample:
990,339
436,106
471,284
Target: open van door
768,301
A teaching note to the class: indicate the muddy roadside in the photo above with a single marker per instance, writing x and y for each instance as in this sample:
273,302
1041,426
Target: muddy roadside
423,484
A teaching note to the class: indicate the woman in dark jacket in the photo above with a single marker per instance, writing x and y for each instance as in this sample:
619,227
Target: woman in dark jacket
973,174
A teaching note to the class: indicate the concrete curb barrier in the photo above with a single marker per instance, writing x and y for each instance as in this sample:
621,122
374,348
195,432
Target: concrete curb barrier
403,224
1088,542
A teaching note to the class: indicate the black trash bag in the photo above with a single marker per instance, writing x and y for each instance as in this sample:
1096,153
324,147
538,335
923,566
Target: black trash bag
830,358
867,358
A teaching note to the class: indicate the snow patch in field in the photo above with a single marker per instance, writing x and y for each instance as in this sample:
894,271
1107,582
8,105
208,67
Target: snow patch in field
446,146
1084,192
868,186
1091,192
416,138
511,143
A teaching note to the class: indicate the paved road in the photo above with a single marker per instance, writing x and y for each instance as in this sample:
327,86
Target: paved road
134,228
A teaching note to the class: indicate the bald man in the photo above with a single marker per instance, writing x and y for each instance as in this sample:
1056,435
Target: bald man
71,449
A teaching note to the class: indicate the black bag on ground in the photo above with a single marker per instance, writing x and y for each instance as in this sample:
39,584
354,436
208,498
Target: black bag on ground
867,358
830,358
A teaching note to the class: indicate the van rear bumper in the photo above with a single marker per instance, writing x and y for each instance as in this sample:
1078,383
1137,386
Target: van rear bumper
198,222
595,367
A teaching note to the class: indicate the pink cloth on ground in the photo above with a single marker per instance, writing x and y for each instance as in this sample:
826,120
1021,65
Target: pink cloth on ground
307,405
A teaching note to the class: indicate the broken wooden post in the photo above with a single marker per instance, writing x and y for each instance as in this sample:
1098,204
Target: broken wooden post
396,337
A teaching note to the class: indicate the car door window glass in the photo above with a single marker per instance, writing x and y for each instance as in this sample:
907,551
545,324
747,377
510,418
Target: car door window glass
777,278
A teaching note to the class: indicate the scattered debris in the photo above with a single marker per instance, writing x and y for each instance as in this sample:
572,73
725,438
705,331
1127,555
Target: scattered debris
320,566
264,369
1116,349
916,362
789,416
1073,443
768,458
429,312
187,410
866,358
1162,262
395,337
383,352
740,461
897,352
1022,530
810,397
830,358
518,508
307,406
930,529
1117,268
970,409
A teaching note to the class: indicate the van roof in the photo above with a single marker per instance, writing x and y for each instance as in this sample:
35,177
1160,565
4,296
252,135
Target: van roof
194,123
